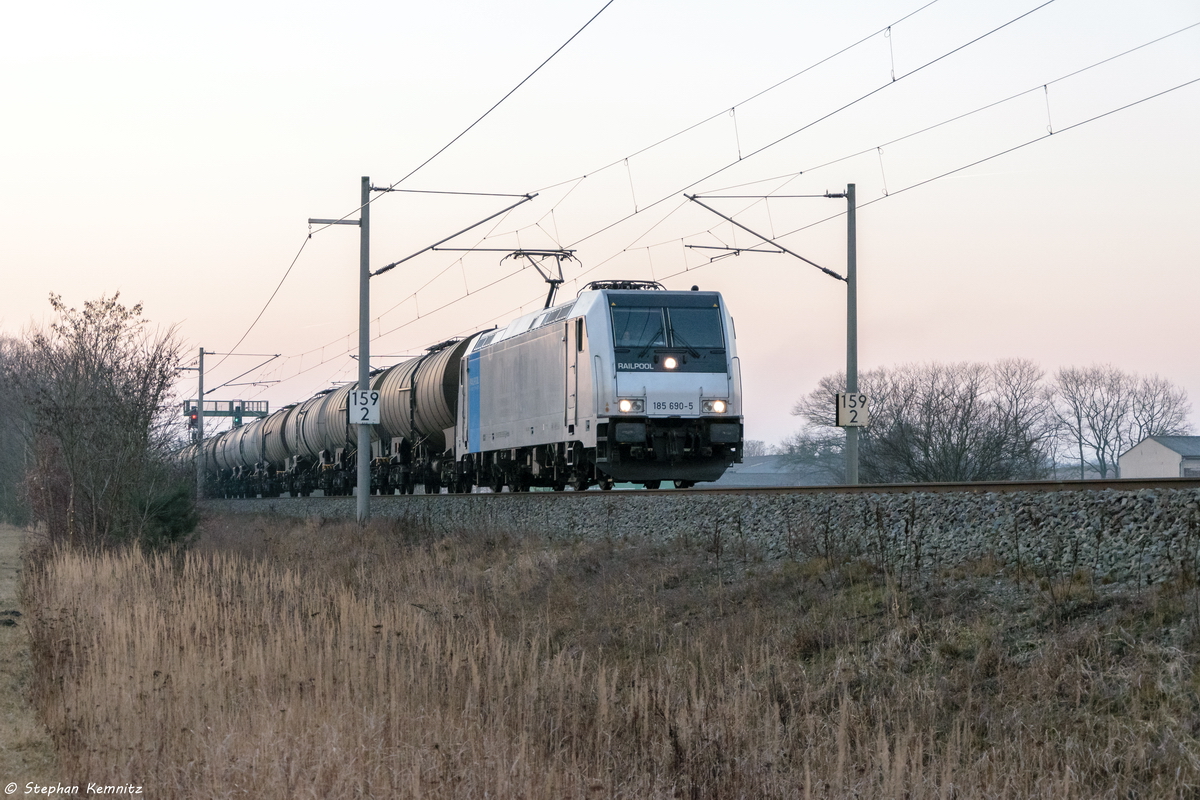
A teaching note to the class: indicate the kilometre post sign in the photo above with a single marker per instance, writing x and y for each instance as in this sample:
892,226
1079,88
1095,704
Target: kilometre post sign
852,410
363,408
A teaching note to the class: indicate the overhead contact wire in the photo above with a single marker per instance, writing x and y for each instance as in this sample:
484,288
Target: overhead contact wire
822,118
233,349
502,99
422,165
580,179
752,97
879,148
956,118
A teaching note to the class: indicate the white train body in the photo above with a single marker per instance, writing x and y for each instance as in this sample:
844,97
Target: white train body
631,385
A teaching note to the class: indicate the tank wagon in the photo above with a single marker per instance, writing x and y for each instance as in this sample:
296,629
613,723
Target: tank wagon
628,382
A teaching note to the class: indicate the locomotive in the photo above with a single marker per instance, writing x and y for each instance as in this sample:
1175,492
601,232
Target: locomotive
628,382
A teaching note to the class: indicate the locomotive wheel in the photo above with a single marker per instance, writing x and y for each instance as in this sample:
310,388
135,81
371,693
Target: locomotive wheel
684,484
606,483
580,483
653,484
559,486
497,483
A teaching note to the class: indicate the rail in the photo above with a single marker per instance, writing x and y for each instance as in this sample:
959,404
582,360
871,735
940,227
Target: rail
1002,487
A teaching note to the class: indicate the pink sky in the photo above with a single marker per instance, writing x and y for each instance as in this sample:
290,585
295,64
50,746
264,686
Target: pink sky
175,155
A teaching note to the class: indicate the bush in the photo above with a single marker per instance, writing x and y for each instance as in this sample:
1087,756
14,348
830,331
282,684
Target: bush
96,391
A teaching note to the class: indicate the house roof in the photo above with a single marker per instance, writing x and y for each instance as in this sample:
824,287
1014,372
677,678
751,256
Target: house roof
1186,446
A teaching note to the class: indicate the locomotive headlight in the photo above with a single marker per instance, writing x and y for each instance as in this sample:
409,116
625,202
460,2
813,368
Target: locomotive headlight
714,406
631,406
670,362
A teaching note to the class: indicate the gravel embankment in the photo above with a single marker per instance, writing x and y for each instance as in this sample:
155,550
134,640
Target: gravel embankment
1143,536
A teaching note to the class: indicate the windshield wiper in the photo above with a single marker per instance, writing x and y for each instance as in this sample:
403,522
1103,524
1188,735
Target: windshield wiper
677,337
650,344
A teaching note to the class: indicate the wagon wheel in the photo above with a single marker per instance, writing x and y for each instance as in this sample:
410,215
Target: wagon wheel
606,483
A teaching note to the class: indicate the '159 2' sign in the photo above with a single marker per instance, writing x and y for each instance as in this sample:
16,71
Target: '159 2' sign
852,410
363,408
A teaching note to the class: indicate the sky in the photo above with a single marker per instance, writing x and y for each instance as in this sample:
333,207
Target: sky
1027,186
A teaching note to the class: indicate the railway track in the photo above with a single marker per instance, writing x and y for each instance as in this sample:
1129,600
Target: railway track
998,487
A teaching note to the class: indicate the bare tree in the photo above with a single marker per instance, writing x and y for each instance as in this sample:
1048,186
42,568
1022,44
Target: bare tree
942,422
1103,411
813,448
13,435
1089,406
1157,408
1025,416
755,447
97,388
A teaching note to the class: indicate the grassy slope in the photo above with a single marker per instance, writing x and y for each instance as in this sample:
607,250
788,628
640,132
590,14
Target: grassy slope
617,669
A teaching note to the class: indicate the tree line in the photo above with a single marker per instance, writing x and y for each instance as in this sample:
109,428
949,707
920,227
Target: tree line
973,421
88,422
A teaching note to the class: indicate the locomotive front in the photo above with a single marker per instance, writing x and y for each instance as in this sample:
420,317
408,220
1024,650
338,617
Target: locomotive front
672,409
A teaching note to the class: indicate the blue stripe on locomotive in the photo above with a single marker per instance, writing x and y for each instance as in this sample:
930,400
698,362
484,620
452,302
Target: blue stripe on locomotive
473,383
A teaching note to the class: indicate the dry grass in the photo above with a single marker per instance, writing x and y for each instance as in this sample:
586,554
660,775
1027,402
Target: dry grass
26,752
321,661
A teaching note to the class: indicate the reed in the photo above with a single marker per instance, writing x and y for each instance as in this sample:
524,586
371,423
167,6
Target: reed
25,749
283,660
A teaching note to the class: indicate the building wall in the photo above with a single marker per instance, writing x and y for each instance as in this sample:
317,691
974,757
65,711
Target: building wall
1149,459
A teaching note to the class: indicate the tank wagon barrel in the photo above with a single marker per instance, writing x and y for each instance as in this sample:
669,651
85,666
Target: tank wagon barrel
628,382
418,398
276,449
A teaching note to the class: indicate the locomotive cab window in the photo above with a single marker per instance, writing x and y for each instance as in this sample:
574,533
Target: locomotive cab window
678,332
689,323
696,328
639,327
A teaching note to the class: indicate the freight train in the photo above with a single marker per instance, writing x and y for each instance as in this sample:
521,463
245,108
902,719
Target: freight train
628,382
